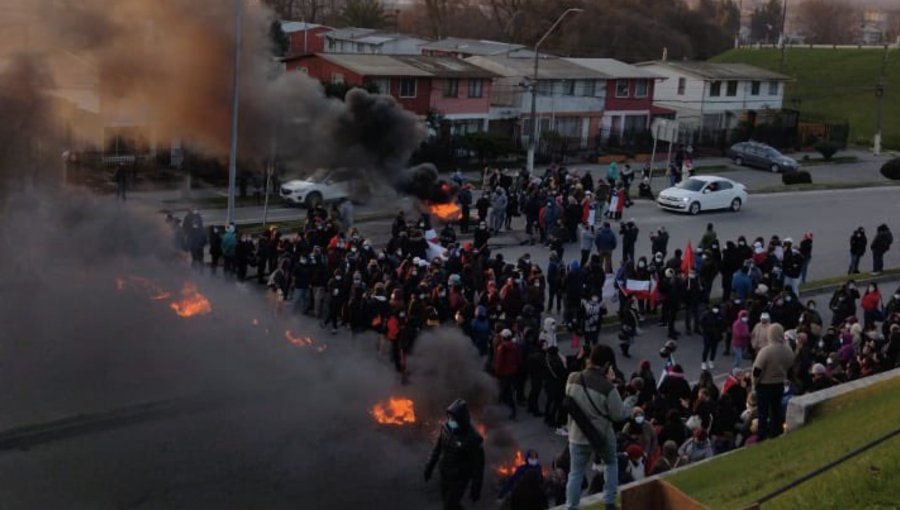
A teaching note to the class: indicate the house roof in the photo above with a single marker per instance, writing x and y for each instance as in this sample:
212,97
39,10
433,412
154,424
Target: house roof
367,64
720,70
613,68
472,46
289,27
367,35
549,68
446,67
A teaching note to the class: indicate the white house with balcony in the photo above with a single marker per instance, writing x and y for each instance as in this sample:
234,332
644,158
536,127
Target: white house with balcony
570,98
715,95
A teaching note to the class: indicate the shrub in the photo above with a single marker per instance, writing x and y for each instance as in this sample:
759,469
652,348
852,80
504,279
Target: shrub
891,169
798,177
827,148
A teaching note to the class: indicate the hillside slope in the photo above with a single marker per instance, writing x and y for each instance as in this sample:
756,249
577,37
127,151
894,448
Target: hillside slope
836,83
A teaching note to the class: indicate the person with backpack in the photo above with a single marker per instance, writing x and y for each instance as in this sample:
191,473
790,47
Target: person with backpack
594,393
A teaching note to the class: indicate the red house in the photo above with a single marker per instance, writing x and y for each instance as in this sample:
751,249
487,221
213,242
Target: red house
628,103
304,37
458,90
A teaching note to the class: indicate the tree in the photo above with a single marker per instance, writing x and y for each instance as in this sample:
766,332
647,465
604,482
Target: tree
280,41
828,21
765,23
363,14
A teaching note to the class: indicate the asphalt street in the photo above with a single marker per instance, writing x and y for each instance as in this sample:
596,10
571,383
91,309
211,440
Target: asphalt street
188,460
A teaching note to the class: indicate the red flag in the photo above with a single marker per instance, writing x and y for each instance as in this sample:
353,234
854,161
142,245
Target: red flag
687,262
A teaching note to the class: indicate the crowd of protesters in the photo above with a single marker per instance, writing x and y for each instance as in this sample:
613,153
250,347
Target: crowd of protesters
514,312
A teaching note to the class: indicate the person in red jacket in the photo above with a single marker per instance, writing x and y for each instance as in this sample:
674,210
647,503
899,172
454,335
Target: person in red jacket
871,305
506,366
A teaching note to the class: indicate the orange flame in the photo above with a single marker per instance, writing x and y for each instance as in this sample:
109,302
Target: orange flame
446,212
304,341
396,411
508,468
192,302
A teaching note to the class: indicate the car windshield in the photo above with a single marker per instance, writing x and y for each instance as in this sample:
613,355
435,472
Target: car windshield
692,184
320,175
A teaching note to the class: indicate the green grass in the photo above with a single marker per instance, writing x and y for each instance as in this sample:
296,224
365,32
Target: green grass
835,83
846,422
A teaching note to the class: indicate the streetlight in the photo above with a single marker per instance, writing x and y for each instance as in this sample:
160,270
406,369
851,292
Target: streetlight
534,84
232,156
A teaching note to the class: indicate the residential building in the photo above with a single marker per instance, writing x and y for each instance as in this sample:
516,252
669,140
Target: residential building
371,41
628,108
462,48
455,89
716,96
304,37
570,98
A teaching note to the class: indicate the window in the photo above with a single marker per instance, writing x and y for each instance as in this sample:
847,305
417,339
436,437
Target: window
732,88
621,88
544,88
476,88
682,84
599,88
635,123
383,85
337,78
715,89
330,44
640,88
451,88
360,48
304,70
568,87
754,88
723,185
773,88
408,87
588,90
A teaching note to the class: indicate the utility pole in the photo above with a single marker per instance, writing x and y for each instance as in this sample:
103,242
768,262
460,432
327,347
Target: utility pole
532,140
781,37
235,100
879,98
737,35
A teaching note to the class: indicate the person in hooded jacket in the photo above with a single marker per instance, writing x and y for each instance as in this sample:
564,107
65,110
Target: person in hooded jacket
532,463
659,241
712,326
858,243
480,328
555,374
880,245
458,454
592,311
843,303
740,337
694,294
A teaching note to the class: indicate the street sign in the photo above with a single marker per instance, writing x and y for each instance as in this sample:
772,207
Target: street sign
665,129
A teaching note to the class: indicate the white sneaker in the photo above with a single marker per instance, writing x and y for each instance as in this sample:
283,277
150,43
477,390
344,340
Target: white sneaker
562,431
703,366
711,366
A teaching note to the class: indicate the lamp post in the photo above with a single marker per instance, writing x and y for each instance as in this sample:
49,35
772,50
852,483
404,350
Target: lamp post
532,141
232,157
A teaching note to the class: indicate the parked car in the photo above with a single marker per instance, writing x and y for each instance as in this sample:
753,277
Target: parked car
325,185
703,193
761,155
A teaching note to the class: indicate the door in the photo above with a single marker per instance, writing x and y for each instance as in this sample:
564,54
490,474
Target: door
713,196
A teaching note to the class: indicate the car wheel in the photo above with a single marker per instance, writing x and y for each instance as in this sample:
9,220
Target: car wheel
695,208
313,200
736,205
775,168
739,161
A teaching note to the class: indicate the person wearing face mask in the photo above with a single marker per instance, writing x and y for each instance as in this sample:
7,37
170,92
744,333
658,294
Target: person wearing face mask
712,326
858,243
592,312
740,337
811,320
693,296
659,241
532,464
458,454
843,303
640,431
872,306
337,297
792,266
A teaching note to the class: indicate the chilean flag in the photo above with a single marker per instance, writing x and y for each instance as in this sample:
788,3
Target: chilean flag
640,289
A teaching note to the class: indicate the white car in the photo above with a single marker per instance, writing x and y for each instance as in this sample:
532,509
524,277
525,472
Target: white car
325,185
703,193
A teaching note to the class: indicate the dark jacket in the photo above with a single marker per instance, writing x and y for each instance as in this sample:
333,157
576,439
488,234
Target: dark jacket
605,240
458,453
712,325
